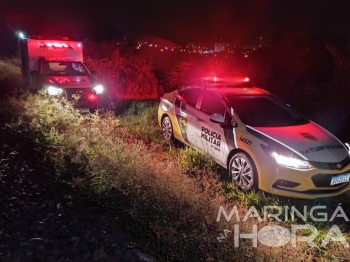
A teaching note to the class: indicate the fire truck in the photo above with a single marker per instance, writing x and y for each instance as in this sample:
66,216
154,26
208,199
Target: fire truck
57,67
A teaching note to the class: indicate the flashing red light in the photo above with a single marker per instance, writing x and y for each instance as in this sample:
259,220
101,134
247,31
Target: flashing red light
55,45
92,97
246,79
51,81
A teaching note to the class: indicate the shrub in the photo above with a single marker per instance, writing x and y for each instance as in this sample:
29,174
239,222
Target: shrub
10,76
174,213
126,75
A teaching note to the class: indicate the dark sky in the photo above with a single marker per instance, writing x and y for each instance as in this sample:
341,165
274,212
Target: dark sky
239,22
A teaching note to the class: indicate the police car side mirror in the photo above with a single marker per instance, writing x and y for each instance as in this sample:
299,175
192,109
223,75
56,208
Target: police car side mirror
217,118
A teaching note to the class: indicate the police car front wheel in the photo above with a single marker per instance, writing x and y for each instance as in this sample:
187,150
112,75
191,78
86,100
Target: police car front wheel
242,171
167,129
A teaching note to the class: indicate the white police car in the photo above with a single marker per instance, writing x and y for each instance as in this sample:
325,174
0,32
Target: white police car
264,143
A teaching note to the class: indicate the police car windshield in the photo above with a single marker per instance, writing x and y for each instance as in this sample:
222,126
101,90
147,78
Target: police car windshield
265,111
64,68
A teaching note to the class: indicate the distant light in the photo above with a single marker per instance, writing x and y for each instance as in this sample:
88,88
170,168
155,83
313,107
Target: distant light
79,45
21,35
246,79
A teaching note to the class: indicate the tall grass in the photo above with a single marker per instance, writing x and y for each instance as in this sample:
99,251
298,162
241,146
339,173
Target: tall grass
10,76
89,152
168,196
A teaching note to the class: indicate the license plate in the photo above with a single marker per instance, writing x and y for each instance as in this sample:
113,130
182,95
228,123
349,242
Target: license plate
340,179
84,110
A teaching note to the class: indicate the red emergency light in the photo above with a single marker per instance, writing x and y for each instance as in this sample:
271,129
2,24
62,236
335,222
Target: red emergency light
92,97
56,45
50,80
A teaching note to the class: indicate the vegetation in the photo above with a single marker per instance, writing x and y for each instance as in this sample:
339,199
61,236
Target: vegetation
10,76
167,194
126,75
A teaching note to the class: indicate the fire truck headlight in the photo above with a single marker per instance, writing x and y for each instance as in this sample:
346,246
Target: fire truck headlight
54,91
98,89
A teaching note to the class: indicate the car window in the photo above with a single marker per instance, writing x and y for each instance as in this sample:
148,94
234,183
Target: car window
190,96
211,104
265,111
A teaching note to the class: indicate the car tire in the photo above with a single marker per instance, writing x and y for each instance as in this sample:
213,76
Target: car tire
242,172
167,129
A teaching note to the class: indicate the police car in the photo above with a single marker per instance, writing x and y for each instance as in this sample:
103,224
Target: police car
263,142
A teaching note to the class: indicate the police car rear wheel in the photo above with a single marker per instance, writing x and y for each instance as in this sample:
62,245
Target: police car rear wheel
242,172
167,129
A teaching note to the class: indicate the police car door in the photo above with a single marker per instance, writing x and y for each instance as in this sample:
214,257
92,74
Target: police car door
185,110
212,134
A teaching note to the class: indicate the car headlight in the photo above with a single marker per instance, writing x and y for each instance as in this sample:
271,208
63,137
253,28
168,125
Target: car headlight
98,89
291,161
54,91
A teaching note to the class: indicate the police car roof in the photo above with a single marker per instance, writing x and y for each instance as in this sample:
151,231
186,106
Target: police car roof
234,90
231,91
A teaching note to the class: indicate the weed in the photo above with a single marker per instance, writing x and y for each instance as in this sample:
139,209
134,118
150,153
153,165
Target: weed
169,196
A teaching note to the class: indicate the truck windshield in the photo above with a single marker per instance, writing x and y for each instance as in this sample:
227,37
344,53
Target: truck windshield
265,111
65,68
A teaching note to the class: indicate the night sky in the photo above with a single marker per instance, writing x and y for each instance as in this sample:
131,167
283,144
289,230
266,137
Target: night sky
180,21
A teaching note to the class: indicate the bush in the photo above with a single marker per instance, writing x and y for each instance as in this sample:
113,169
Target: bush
10,76
169,198
126,75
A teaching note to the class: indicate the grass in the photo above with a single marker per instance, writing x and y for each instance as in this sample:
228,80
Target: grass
10,76
89,153
167,195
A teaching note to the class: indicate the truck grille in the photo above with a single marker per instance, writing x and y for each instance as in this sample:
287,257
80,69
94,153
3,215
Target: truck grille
83,93
71,91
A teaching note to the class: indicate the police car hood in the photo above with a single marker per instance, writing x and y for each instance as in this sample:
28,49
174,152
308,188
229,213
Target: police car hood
73,81
309,140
